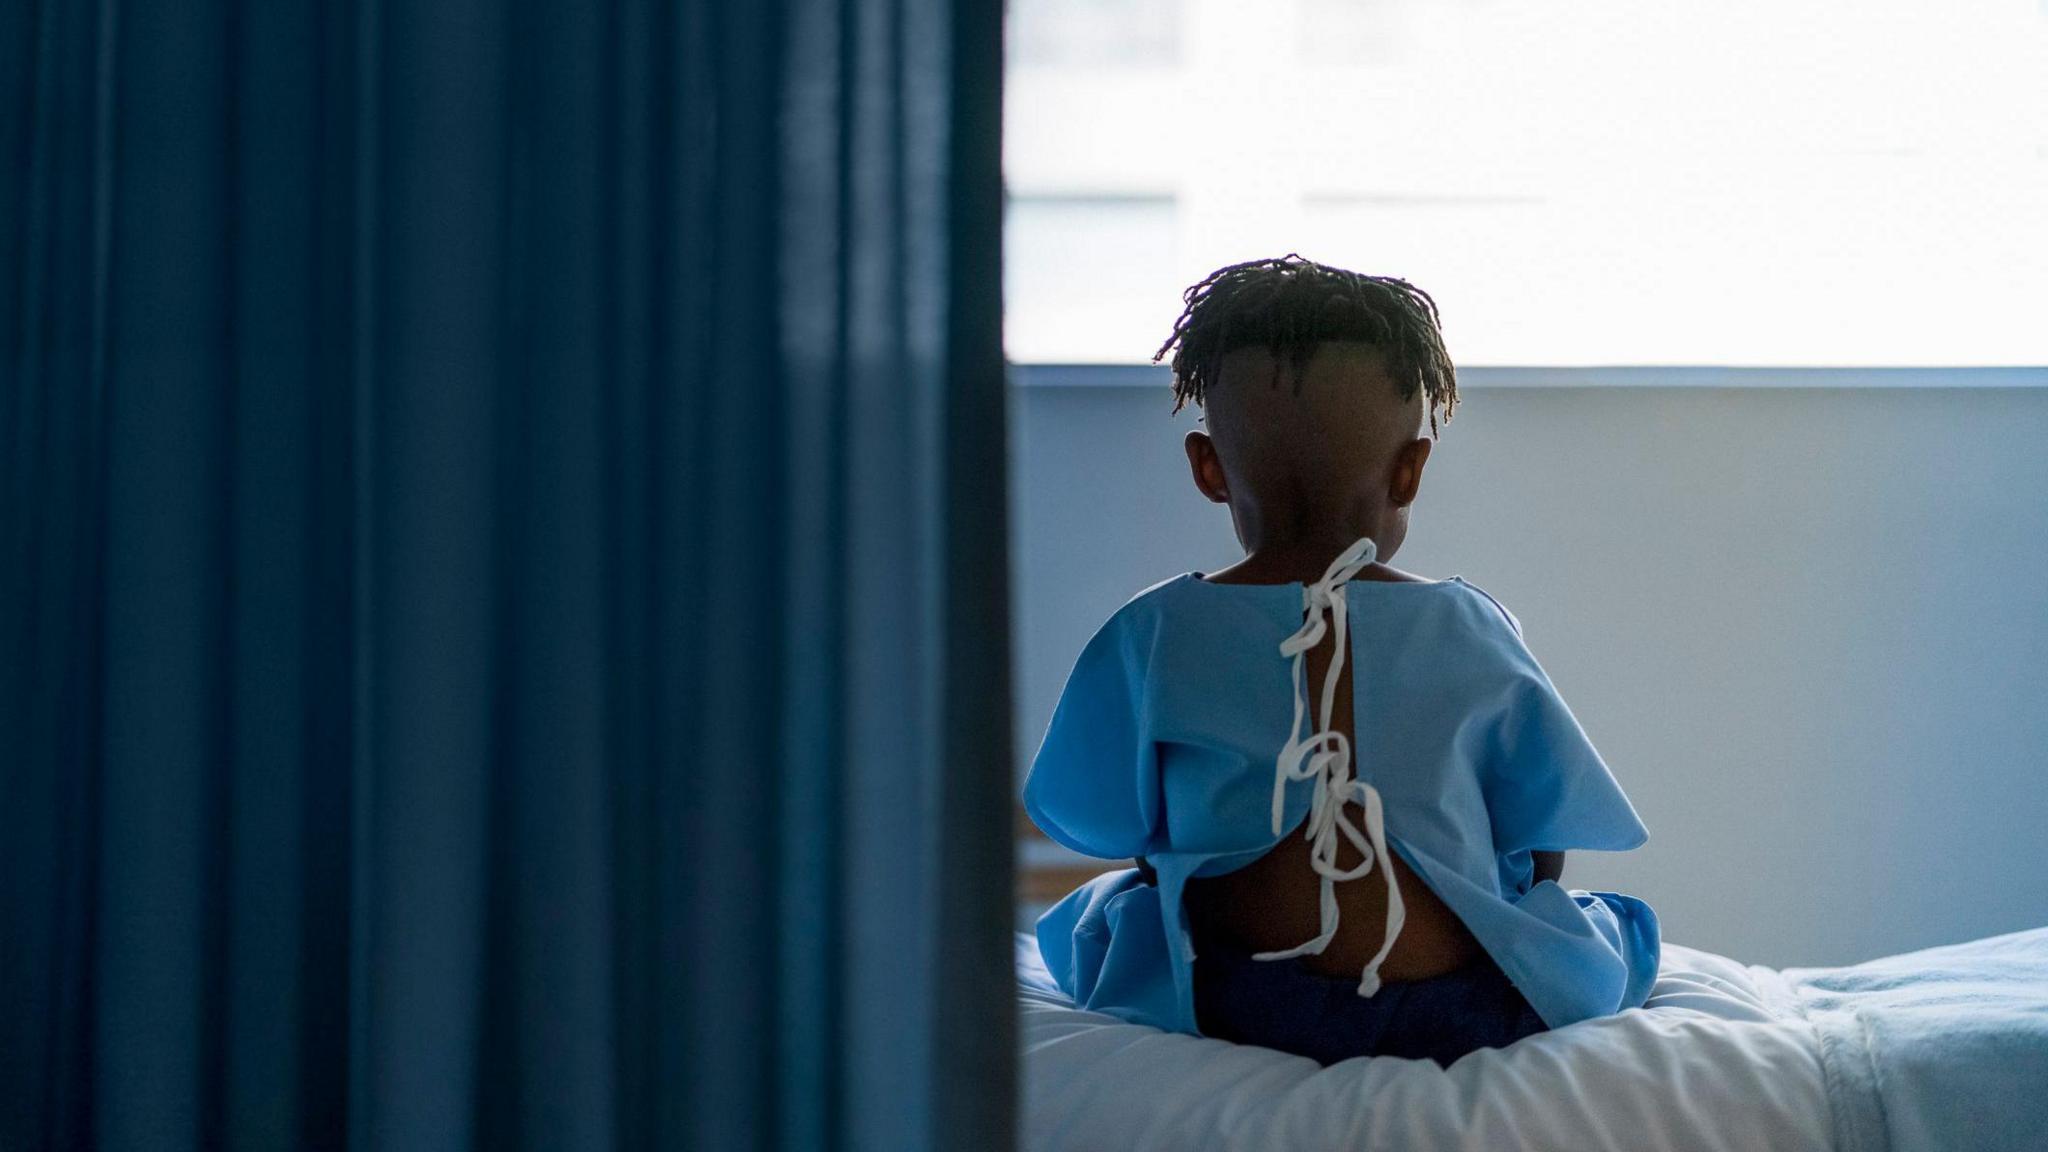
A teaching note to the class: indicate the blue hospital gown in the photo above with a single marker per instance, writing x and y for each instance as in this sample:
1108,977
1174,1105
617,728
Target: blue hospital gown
1164,742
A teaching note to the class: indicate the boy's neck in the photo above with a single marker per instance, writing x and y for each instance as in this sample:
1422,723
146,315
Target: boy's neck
1292,559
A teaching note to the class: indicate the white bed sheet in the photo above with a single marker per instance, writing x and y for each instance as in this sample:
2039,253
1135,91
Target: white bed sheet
1719,1060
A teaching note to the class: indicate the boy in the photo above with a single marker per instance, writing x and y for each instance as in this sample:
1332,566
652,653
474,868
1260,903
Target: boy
1377,877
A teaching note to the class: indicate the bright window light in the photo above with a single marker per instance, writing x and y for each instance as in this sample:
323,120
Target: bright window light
1744,182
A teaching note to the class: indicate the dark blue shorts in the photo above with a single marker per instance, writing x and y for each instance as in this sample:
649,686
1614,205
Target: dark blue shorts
1279,1004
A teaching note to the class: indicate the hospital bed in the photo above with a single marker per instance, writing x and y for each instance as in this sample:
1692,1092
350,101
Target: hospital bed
1945,1049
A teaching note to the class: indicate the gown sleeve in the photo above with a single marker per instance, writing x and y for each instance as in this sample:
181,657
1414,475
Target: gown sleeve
1094,785
1546,788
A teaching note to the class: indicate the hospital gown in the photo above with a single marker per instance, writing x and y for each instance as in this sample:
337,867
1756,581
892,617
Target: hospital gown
1172,742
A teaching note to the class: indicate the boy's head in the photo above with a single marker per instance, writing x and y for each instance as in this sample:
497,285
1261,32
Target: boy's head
1316,385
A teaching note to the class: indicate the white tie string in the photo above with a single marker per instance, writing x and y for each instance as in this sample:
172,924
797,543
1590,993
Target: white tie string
1324,756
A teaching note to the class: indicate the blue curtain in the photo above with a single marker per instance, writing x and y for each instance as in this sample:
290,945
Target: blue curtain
502,578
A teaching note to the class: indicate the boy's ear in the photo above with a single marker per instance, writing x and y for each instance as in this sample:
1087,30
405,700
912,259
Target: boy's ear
1206,467
1407,478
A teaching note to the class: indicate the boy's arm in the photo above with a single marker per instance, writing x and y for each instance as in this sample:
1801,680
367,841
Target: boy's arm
1548,865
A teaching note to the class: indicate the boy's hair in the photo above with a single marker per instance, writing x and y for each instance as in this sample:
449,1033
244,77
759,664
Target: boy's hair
1290,306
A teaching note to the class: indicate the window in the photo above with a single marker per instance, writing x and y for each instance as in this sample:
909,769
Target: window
1123,34
1109,268
1761,182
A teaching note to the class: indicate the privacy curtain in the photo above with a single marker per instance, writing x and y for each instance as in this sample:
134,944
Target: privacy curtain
502,603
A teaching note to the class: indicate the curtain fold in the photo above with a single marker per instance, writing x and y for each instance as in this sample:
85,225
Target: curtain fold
504,591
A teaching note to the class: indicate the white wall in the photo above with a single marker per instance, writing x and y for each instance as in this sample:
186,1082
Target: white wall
1807,627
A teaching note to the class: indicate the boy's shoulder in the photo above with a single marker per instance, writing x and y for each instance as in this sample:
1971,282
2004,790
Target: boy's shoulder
1146,610
1190,597
1378,573
1184,643
1492,605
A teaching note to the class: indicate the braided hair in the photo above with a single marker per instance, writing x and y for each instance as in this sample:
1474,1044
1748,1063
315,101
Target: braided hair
1290,306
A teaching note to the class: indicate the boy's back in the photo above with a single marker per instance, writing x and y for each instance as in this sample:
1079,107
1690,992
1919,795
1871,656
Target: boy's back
1270,905
1162,749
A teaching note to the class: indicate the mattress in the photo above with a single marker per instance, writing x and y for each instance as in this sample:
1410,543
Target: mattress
1945,1049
